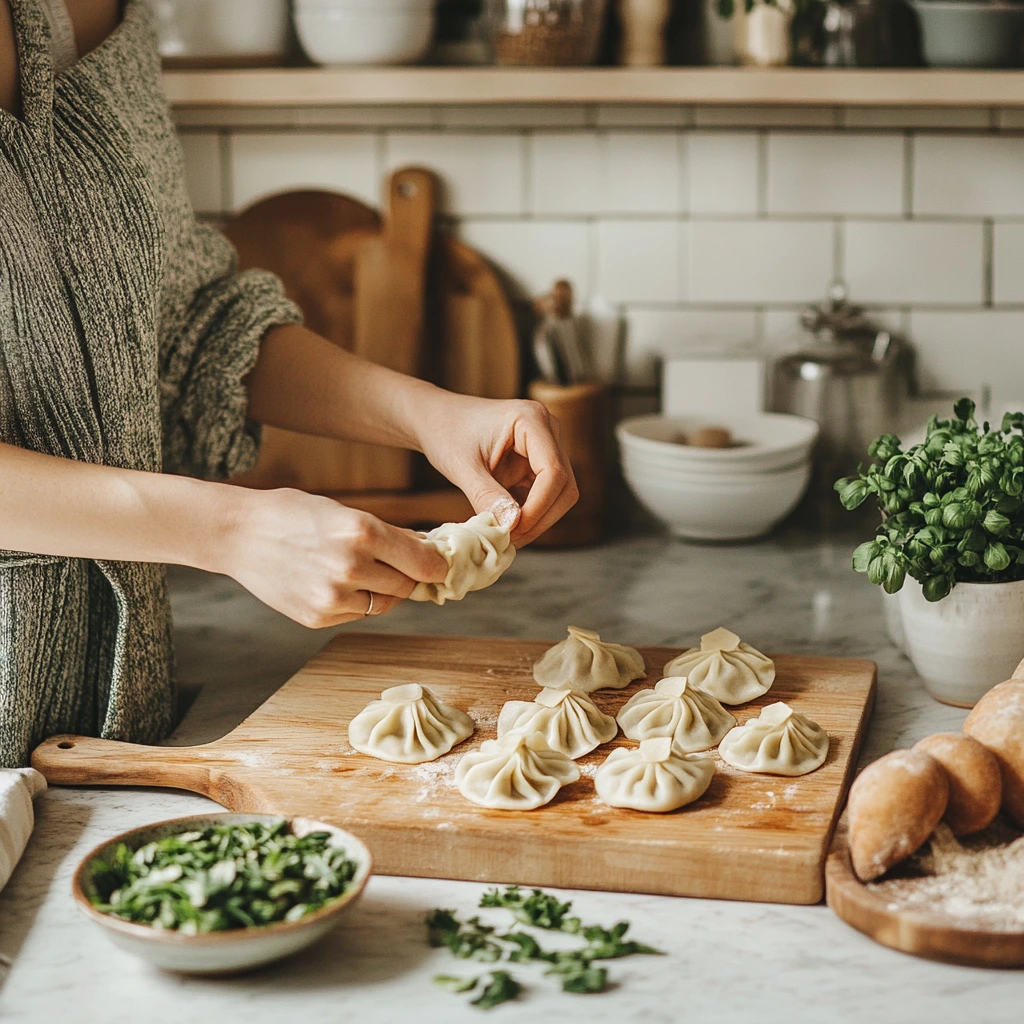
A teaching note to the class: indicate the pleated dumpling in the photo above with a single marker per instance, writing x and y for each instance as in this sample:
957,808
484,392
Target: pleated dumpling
653,777
517,772
570,722
725,667
477,551
780,741
408,725
691,718
587,663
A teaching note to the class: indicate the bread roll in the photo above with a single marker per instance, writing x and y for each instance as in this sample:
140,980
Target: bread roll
997,721
894,807
975,783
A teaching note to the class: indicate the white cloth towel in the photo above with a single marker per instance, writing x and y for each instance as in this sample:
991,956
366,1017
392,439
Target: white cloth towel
17,787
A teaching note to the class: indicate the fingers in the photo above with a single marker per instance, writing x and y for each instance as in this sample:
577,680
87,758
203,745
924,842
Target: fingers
487,495
402,550
351,606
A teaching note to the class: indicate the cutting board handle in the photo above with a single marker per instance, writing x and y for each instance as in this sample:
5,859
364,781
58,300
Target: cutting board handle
86,761
410,201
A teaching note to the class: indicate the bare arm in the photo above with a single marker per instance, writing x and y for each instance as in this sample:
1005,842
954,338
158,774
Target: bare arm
489,449
308,557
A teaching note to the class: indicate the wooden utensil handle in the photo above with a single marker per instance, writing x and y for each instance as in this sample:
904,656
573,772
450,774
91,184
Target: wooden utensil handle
86,761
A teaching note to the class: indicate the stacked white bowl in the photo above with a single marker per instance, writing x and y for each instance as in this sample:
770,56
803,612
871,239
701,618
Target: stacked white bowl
365,31
718,494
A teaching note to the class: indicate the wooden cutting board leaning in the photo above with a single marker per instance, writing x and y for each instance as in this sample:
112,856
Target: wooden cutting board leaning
750,837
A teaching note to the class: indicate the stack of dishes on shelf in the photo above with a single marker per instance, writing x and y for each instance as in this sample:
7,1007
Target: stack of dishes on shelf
365,31
735,492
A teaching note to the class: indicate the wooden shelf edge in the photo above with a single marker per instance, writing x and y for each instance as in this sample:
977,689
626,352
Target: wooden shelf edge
711,86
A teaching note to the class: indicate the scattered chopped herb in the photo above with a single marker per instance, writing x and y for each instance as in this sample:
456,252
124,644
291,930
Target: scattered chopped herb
221,878
536,909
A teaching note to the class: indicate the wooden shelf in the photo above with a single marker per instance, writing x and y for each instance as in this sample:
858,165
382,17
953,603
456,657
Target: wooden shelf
814,87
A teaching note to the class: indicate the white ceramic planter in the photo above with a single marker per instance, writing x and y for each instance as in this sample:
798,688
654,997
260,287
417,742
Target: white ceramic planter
964,644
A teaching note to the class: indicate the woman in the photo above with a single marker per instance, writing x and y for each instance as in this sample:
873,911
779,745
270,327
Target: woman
130,346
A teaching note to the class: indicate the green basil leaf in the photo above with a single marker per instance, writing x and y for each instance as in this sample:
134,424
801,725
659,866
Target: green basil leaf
454,984
935,588
996,557
500,989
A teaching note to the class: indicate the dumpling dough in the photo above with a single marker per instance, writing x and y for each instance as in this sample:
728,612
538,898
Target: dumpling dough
408,725
653,777
477,551
570,722
517,772
725,667
676,708
587,663
780,741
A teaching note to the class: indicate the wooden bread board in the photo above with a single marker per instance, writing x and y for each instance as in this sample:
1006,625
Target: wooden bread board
750,837
920,932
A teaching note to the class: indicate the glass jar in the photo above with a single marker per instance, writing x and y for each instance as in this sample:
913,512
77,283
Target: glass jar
552,33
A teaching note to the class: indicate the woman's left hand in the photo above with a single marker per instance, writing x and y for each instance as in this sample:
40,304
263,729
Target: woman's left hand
493,450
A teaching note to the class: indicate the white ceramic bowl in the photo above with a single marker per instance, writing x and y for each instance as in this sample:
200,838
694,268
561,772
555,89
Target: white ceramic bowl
970,33
365,31
724,507
769,441
229,31
227,952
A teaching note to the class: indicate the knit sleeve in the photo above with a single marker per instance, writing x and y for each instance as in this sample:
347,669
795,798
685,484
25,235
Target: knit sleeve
205,359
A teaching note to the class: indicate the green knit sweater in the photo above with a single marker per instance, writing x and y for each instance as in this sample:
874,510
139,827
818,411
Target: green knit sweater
125,333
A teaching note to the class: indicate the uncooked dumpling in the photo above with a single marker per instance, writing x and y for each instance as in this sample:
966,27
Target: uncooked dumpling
408,725
477,551
691,718
653,777
570,722
517,772
725,667
586,663
780,741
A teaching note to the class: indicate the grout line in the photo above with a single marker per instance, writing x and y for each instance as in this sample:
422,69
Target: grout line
683,190
762,173
227,187
839,250
908,175
527,198
988,260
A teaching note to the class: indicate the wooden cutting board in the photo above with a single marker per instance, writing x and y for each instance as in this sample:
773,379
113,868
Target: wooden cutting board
751,837
920,931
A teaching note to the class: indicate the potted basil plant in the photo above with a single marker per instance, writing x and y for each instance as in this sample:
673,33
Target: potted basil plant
951,544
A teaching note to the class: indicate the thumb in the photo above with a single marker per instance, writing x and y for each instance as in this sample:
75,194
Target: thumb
487,495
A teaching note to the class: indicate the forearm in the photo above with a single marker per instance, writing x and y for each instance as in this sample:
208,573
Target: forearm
52,506
303,382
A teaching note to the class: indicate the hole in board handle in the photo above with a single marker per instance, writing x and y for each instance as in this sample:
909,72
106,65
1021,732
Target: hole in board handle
65,745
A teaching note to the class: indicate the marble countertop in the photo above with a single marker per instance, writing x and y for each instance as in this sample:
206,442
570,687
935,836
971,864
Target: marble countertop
727,962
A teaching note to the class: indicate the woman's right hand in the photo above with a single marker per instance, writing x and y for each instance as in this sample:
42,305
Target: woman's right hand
318,562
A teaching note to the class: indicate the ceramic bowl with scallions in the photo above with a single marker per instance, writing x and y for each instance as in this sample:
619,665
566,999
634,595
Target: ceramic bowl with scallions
221,893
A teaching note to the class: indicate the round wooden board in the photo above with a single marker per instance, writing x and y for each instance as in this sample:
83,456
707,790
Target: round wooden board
929,935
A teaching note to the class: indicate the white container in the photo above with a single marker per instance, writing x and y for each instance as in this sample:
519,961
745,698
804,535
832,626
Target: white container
769,441
724,507
966,643
226,952
762,37
222,31
365,31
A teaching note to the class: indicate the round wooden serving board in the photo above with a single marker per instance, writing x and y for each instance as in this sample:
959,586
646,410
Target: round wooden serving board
934,936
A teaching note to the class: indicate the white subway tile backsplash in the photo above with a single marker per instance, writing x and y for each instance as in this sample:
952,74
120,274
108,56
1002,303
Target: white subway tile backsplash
481,172
641,261
968,175
766,261
589,173
781,328
526,115
628,116
653,335
535,253
977,118
967,351
910,262
203,170
370,117
723,172
263,163
1008,263
834,173
765,117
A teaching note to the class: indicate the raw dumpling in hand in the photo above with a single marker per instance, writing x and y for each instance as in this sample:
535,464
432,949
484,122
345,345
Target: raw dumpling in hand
691,718
477,552
653,777
587,663
517,772
725,667
408,725
570,722
780,741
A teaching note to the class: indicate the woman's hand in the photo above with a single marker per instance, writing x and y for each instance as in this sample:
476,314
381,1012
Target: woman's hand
492,450
318,562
